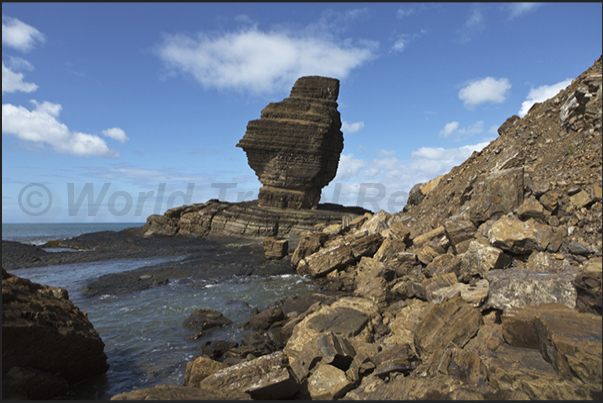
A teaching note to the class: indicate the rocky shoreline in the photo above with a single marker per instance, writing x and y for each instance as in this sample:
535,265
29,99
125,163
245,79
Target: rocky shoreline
488,285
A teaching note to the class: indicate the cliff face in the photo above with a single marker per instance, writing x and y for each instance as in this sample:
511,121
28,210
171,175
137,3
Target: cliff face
294,147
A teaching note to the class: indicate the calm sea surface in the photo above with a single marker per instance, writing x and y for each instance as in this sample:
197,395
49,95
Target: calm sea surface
144,340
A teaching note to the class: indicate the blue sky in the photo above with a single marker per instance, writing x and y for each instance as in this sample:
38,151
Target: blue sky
154,96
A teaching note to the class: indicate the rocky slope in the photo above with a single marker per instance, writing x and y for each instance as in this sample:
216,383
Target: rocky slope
486,286
48,344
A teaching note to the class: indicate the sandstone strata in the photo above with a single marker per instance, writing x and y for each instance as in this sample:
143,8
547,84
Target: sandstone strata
294,147
48,344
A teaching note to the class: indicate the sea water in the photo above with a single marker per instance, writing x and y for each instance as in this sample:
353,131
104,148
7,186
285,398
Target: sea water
145,342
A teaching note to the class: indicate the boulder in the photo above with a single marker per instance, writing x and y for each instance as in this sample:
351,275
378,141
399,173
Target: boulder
48,338
515,236
581,199
458,231
265,319
432,238
449,321
294,147
435,283
396,358
531,208
173,392
309,243
328,348
459,363
443,264
415,196
199,369
403,324
496,193
520,288
525,371
205,319
479,259
275,247
328,383
588,287
264,378
570,341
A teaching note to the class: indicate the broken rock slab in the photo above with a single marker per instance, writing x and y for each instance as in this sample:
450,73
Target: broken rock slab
264,378
520,288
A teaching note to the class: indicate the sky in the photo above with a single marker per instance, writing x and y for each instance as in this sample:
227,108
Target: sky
115,111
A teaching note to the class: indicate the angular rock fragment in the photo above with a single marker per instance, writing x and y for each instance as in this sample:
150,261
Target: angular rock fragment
173,392
199,369
264,378
275,247
480,259
496,193
328,383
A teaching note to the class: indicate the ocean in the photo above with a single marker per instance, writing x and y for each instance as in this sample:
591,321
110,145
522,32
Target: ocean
145,342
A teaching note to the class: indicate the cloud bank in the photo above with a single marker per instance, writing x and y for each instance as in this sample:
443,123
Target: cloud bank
41,126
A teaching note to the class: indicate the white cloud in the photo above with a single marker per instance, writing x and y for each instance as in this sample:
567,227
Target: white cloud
116,133
13,81
493,129
452,128
519,9
259,62
19,35
449,128
541,94
485,90
348,128
40,126
348,167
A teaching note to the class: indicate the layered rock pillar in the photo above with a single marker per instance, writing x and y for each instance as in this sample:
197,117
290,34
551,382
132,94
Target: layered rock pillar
294,147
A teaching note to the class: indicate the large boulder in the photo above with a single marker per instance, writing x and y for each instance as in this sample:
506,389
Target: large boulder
264,378
521,288
294,147
496,193
449,321
569,340
275,247
47,341
199,369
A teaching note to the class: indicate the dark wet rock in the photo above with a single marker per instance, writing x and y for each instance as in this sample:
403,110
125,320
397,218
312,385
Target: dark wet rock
48,338
215,349
265,319
294,147
173,392
205,320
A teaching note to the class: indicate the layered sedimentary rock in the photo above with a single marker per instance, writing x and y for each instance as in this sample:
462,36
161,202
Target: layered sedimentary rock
294,147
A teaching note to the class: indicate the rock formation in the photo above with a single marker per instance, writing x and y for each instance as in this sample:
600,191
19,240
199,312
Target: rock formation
294,147
48,344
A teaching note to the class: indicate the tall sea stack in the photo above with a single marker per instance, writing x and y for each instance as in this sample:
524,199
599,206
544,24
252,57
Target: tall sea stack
294,147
